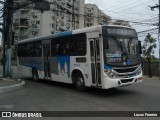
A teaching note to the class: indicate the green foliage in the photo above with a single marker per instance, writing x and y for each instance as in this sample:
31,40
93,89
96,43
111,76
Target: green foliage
148,46
153,60
148,50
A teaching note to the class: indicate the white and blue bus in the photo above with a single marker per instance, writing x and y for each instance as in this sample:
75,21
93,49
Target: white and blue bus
98,56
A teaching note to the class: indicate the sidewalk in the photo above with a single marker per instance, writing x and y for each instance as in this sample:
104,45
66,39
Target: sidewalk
7,85
145,77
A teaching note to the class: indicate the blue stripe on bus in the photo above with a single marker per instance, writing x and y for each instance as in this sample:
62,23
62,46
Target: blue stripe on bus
34,64
106,67
62,34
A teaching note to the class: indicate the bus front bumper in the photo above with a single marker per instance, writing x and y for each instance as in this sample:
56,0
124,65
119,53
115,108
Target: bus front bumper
120,82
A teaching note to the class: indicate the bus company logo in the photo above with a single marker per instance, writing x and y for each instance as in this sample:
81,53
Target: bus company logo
6,114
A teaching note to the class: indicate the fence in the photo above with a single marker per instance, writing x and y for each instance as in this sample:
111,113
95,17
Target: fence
154,68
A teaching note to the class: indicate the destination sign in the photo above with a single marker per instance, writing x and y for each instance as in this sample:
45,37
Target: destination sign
119,31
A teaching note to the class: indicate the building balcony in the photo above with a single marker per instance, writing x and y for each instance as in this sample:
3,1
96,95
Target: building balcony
16,16
68,8
16,24
21,33
34,26
69,11
23,16
75,8
69,4
75,5
63,2
62,28
68,25
23,37
16,34
24,25
62,7
35,29
58,3
77,20
75,12
27,7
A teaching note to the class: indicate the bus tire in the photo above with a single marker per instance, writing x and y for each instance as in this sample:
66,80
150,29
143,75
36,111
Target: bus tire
35,75
79,82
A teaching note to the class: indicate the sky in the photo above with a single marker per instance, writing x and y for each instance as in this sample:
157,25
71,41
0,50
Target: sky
137,12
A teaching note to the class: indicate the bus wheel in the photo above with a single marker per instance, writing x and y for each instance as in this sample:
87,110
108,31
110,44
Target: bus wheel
79,82
35,75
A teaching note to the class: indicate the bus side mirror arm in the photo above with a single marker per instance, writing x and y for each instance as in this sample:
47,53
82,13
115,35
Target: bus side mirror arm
140,47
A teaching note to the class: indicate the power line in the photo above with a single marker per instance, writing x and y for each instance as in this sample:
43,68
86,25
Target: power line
122,5
128,13
132,7
147,30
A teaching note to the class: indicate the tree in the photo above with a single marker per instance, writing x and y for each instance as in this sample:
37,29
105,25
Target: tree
148,50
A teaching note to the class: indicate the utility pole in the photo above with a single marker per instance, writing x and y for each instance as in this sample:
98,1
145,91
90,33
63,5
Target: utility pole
159,38
4,38
73,16
152,8
9,35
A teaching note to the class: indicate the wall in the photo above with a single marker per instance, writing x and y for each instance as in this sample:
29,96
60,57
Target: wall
154,68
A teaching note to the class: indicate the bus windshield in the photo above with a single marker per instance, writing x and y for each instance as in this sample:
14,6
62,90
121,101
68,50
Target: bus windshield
121,50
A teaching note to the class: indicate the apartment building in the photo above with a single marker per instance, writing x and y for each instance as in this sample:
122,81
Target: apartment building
94,16
64,15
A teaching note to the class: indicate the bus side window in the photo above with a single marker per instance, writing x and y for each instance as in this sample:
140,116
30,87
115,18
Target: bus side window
22,50
67,46
74,45
54,46
81,45
62,50
29,50
37,49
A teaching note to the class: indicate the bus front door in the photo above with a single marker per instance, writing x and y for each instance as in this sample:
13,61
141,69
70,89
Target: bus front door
46,61
95,62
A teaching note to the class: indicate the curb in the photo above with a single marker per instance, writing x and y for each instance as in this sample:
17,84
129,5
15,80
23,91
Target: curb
11,87
153,78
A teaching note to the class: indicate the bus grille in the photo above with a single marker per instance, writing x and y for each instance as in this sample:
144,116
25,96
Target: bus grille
126,80
125,70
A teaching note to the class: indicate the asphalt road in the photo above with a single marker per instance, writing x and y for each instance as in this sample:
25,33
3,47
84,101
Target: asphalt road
53,96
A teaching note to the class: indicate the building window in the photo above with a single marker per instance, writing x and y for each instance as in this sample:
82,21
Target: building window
52,17
52,32
37,22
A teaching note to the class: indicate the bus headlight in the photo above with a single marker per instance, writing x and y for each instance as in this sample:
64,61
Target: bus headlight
110,74
139,71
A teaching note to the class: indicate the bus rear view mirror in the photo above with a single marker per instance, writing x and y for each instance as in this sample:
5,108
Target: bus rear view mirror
140,47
